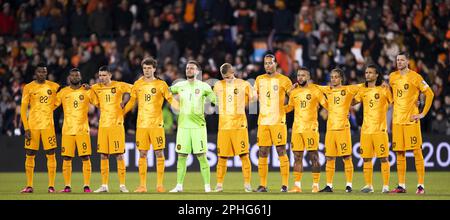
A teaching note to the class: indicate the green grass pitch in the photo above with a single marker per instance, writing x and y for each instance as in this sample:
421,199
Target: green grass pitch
436,185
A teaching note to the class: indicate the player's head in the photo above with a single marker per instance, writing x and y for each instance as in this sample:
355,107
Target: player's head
192,69
303,76
270,63
41,72
74,76
227,71
402,60
373,74
337,77
149,67
104,74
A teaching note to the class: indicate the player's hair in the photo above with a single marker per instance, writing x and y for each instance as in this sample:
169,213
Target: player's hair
104,68
149,61
377,71
74,70
304,69
406,54
225,67
271,56
341,74
199,68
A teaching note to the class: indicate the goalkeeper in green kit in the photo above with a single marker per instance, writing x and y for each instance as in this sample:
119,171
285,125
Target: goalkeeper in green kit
191,133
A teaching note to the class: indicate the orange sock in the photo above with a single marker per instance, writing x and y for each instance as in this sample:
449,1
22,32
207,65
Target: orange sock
87,172
104,169
67,172
221,169
316,178
368,172
160,165
348,170
263,169
420,166
401,168
142,163
51,167
284,170
329,169
121,171
29,169
246,168
385,171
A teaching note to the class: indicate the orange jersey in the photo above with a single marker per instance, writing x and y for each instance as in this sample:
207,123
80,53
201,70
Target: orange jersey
339,101
406,89
41,98
233,97
375,105
305,101
108,98
272,91
150,97
75,103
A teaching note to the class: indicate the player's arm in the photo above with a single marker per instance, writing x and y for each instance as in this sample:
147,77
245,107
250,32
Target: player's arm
290,106
429,95
389,97
126,88
210,94
23,112
322,100
356,99
58,100
169,97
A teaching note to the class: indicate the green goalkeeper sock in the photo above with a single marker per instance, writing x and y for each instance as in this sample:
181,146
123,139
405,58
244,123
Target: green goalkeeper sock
181,168
204,169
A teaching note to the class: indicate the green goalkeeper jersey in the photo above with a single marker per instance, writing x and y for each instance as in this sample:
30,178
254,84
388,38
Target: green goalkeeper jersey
192,102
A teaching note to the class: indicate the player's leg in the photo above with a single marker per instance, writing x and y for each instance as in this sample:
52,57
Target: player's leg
264,142
240,146
385,172
31,147
381,144
224,150
84,152
367,152
49,143
183,149
158,141
67,152
86,173
199,148
330,156
298,171
344,142
121,172
398,145
414,136
143,145
103,149
314,158
116,139
281,135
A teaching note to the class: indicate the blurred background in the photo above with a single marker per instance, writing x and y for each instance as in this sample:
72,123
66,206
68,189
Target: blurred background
319,35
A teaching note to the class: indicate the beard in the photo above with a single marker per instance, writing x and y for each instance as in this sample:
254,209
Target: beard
302,84
190,77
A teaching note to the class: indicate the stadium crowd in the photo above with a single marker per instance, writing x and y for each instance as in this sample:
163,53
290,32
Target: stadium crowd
319,35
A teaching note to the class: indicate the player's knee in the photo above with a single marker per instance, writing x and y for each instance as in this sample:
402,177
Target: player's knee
85,158
243,155
30,152
119,156
104,156
384,159
159,153
330,158
50,152
298,157
142,154
367,159
66,158
263,152
199,155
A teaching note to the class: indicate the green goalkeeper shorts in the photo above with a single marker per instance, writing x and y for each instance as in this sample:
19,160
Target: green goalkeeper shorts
191,140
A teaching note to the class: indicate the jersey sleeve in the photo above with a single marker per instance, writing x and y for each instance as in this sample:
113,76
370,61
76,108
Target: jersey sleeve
421,83
58,99
210,94
166,92
24,106
174,89
287,85
388,94
125,87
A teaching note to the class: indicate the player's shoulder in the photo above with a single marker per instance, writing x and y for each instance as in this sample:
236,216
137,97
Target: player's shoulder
64,90
262,76
394,75
52,84
95,86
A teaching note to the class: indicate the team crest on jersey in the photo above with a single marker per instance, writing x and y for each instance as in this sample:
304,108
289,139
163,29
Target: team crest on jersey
197,91
343,93
308,96
178,147
153,90
113,90
49,92
275,88
406,86
377,96
81,97
236,91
